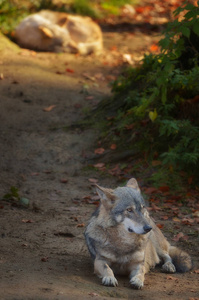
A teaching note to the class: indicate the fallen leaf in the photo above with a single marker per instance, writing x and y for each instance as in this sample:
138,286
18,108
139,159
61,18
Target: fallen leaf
93,180
116,171
27,52
139,10
160,225
169,277
99,151
113,146
196,214
86,197
154,48
99,165
49,108
44,259
99,76
155,207
80,225
164,217
178,237
69,70
175,208
27,221
34,174
176,219
164,189
63,180
150,190
187,221
113,48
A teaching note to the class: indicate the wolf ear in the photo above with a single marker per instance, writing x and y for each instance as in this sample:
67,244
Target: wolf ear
63,21
106,196
47,32
133,184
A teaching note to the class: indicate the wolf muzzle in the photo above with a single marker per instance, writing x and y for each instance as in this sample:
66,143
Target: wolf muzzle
147,228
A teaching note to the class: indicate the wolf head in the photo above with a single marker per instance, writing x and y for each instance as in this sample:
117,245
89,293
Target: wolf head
125,205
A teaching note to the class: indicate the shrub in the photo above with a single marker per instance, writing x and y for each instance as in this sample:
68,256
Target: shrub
160,99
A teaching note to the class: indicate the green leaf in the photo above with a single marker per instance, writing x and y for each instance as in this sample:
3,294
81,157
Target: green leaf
164,43
196,28
189,15
164,94
185,31
153,115
189,6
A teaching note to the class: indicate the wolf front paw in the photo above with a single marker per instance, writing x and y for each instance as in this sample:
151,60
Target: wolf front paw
168,267
136,283
109,281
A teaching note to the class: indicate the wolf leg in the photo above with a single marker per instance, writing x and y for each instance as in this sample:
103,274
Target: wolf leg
137,275
103,270
168,266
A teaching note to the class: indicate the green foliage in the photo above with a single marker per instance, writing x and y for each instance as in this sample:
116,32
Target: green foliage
112,6
14,197
85,7
13,194
159,99
10,15
12,11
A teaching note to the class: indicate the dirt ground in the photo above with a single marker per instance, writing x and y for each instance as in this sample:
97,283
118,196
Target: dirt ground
43,253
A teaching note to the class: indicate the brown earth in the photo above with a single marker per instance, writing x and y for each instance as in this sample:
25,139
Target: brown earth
43,253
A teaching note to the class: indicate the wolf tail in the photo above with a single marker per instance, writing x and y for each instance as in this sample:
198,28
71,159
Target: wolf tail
181,259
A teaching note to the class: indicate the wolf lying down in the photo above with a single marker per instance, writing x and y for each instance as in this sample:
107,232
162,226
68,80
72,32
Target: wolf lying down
123,239
59,32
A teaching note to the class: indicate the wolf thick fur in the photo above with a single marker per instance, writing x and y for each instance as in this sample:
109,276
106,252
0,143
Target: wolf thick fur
59,32
123,239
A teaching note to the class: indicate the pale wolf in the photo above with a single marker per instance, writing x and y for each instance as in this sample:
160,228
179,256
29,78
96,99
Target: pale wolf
123,239
59,32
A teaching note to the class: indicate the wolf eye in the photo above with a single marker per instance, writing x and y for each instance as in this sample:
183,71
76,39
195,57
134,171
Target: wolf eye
130,209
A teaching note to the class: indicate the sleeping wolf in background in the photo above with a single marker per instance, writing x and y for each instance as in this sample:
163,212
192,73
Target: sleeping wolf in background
123,239
59,32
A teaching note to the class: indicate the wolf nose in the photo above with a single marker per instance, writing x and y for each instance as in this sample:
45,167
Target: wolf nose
147,228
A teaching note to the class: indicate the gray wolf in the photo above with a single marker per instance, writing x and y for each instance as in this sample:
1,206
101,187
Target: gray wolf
122,238
59,32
